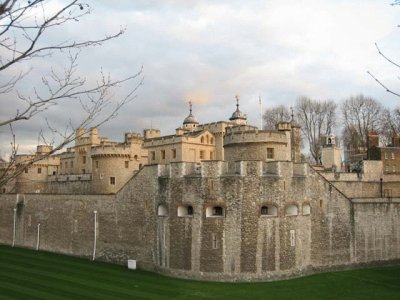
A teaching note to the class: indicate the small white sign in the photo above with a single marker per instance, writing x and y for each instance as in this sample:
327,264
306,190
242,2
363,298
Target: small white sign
132,264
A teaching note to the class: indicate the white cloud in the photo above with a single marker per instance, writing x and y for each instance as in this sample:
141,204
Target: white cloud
208,51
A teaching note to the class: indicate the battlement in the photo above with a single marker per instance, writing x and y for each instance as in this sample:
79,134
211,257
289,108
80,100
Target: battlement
233,168
111,150
235,135
70,177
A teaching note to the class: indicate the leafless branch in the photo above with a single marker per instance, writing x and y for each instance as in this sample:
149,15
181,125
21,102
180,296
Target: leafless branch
23,29
383,85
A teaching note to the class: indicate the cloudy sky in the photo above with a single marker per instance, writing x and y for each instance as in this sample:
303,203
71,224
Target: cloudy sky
209,51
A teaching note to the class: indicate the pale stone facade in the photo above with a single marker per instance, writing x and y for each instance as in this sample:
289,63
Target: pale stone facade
331,154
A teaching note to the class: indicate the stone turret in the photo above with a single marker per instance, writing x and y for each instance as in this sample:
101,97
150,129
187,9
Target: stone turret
238,117
330,154
190,123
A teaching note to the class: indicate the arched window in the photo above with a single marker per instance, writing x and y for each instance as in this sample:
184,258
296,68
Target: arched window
214,211
306,209
269,210
162,210
135,157
185,211
207,139
292,210
202,140
211,141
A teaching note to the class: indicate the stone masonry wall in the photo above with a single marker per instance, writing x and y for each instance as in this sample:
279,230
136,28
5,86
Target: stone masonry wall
224,236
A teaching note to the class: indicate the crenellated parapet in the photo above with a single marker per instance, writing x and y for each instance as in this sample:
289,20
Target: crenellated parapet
214,169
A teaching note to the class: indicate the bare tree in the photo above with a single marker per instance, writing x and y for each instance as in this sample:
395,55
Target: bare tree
389,125
361,115
274,115
24,26
316,118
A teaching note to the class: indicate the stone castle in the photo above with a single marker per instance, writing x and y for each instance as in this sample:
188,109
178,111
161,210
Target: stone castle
219,201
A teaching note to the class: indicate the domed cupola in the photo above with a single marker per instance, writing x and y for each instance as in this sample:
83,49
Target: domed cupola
190,121
238,117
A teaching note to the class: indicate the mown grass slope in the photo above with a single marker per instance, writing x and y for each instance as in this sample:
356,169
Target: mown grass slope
28,274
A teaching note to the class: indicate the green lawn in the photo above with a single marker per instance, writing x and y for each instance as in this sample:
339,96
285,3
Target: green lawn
28,274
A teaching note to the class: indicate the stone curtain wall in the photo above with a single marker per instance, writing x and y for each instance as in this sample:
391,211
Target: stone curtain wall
125,223
377,230
237,243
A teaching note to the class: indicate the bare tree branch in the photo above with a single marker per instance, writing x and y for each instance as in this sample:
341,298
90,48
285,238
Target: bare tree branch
23,29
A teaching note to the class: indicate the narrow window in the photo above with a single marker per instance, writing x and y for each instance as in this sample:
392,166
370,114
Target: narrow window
202,140
112,180
211,155
75,226
212,141
54,172
306,209
83,159
126,164
162,211
185,210
153,155
173,153
4,190
270,153
217,211
214,211
214,241
292,210
39,170
26,170
97,164
269,210
135,157
292,238
207,139
162,154
201,154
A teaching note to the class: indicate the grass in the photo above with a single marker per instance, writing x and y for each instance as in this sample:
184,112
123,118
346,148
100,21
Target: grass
28,274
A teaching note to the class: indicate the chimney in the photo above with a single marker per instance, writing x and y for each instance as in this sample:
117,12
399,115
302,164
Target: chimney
373,139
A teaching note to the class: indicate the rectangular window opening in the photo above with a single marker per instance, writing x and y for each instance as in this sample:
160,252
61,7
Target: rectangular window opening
292,238
214,241
270,153
112,180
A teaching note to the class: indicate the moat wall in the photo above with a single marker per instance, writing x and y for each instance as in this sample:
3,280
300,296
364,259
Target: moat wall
315,227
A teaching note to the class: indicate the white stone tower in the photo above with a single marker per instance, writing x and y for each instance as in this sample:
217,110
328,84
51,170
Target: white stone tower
330,154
